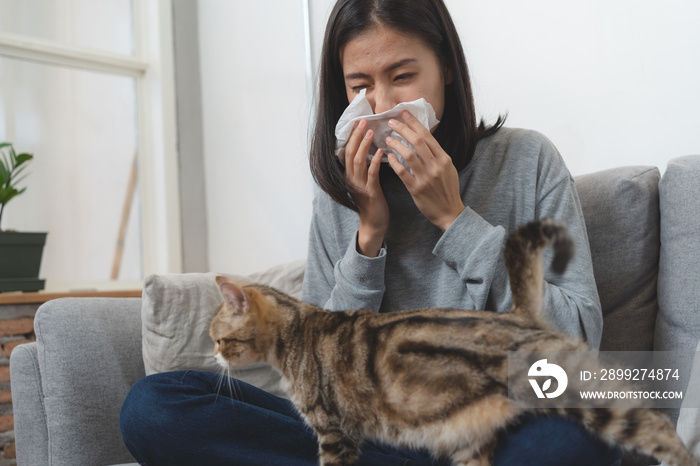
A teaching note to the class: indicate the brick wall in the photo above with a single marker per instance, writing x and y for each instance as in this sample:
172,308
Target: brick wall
16,328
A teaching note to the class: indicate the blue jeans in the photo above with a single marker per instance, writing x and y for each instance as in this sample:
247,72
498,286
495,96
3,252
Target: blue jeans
190,418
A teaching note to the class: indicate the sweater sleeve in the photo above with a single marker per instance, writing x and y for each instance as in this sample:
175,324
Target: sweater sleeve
483,244
337,277
474,248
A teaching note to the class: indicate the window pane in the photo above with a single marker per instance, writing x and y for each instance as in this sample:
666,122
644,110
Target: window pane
81,127
102,24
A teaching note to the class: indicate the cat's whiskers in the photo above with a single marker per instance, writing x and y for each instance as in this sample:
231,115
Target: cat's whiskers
219,384
229,384
232,389
235,385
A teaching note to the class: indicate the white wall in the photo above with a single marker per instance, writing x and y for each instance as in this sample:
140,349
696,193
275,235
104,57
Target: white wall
611,83
255,115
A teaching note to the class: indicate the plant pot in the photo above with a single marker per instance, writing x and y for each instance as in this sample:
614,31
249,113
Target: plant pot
20,259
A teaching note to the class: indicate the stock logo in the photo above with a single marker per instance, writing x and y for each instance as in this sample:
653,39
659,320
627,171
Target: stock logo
542,368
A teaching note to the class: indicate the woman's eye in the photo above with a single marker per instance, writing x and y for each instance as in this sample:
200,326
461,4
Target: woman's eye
357,89
404,77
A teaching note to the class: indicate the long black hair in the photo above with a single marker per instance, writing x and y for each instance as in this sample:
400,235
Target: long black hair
427,20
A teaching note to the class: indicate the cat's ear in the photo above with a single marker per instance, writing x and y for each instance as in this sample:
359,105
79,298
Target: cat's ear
233,294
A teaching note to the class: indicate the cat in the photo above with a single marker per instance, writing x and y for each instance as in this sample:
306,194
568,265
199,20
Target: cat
425,378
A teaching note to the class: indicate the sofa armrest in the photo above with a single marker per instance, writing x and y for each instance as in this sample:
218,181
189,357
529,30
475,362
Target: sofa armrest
31,436
89,356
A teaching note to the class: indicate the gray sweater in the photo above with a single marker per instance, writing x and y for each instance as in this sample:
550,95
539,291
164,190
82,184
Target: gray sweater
515,176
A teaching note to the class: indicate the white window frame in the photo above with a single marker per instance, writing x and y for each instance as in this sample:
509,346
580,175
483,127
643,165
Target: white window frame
153,69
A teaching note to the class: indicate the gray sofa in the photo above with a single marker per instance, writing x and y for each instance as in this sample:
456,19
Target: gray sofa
644,234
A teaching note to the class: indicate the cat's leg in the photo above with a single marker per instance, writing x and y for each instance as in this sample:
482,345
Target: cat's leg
337,448
475,455
468,457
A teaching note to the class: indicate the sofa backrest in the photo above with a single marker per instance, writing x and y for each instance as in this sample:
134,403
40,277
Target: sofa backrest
621,209
678,322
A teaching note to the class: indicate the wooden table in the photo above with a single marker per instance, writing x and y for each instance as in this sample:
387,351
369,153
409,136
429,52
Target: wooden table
40,297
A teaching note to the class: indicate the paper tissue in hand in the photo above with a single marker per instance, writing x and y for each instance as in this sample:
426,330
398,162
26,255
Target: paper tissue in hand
360,109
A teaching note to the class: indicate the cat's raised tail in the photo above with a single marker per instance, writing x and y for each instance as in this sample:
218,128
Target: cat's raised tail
524,262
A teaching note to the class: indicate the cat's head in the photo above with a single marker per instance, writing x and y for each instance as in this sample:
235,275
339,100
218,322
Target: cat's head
241,327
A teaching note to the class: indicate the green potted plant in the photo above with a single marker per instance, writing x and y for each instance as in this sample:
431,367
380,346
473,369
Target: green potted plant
20,252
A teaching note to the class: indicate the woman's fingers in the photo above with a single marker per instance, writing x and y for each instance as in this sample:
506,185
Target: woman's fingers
373,171
415,133
412,159
434,184
373,209
353,144
425,136
356,154
360,160
400,170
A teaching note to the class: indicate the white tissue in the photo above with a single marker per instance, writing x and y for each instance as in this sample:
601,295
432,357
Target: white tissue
360,109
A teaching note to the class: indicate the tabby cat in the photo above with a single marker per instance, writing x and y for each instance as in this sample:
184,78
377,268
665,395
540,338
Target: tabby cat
426,378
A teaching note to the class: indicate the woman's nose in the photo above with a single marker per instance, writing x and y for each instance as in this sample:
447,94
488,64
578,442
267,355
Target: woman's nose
381,101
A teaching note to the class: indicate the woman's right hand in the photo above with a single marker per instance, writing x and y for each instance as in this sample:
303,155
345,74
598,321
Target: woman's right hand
369,197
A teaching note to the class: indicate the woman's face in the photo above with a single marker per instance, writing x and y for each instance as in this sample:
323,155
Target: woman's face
394,68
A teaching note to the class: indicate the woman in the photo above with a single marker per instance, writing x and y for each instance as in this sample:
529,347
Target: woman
386,238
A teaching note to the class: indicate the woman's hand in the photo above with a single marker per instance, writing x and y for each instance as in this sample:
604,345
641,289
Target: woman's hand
434,184
369,197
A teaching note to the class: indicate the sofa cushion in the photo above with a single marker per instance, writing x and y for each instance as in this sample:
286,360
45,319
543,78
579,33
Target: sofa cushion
176,312
621,209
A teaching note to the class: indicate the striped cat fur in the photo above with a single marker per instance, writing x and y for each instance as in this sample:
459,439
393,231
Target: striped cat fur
426,378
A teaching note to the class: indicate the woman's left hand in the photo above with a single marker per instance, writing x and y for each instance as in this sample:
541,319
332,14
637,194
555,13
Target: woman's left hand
434,184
